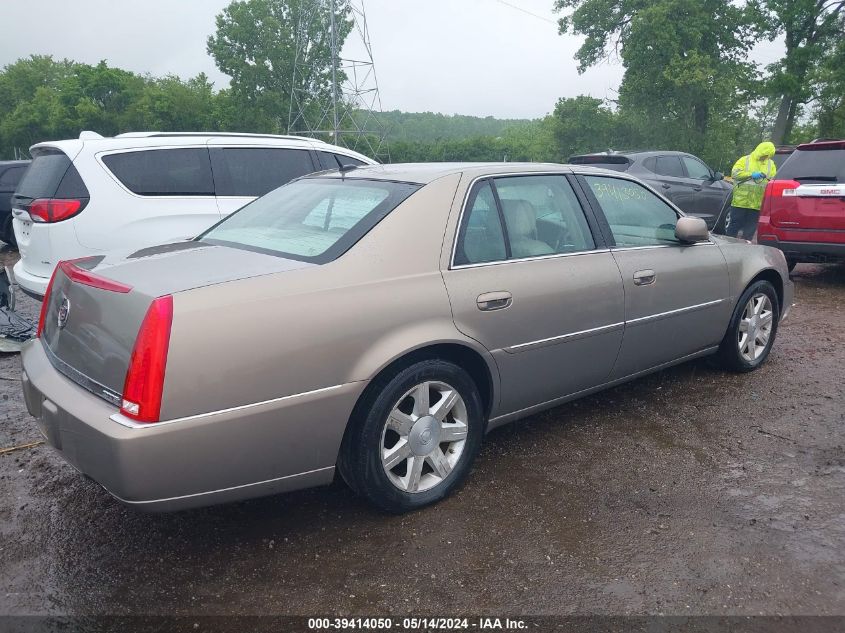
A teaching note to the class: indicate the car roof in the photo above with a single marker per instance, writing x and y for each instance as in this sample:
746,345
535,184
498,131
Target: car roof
140,140
640,153
424,173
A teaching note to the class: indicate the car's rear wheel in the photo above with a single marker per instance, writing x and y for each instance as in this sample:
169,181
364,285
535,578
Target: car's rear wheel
752,329
7,233
415,438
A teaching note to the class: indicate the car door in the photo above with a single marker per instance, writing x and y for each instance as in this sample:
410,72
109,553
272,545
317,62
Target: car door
532,280
676,294
671,180
243,173
709,193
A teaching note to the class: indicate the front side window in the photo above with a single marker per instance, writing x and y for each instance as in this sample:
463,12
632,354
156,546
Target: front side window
164,172
637,217
696,169
314,219
254,171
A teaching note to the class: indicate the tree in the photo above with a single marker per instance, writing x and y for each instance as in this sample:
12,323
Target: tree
829,84
274,49
810,29
684,60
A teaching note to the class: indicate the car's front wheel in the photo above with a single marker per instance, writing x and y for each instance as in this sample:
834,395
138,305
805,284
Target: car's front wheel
752,329
415,437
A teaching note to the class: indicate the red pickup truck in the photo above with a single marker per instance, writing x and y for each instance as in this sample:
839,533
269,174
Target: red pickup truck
803,212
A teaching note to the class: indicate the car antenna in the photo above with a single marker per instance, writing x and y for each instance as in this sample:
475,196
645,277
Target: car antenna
345,168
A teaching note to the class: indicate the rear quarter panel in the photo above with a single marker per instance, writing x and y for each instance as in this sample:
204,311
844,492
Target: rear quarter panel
263,338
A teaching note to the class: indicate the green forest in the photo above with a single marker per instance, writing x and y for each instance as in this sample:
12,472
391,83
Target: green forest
690,83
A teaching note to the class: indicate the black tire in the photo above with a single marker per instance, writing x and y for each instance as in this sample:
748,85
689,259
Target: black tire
729,355
360,460
7,233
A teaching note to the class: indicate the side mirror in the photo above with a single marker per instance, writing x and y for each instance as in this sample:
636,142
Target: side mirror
718,176
691,229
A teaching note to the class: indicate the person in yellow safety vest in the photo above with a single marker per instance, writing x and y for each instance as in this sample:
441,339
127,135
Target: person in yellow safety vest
750,174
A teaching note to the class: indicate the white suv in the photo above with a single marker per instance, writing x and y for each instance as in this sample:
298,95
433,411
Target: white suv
93,194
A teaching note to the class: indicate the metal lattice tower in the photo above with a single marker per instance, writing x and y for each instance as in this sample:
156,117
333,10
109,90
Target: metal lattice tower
351,115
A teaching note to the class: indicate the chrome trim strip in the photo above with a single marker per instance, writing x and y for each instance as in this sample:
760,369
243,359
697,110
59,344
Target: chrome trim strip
513,349
213,492
617,249
77,377
564,337
660,315
530,259
132,424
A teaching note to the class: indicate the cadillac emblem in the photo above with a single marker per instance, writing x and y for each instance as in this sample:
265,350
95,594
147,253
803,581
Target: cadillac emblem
64,313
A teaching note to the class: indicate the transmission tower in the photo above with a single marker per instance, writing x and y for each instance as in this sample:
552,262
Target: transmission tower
351,116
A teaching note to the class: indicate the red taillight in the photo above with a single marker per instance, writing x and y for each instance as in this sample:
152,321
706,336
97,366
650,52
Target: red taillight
87,278
50,210
44,305
777,189
145,376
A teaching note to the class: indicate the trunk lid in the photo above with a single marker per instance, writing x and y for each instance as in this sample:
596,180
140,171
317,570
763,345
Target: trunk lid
818,203
89,332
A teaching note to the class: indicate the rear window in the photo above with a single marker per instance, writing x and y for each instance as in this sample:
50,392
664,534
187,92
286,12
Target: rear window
314,220
245,171
164,172
45,173
814,166
616,163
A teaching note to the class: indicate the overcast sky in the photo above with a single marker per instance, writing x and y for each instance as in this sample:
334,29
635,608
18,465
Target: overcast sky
487,57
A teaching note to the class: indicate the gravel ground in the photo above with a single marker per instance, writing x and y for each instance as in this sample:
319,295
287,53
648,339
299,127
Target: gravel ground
688,492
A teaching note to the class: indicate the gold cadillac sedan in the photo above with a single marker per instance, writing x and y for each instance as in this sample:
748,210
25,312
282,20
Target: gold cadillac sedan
376,322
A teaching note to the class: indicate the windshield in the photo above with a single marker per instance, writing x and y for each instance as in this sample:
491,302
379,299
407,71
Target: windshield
314,220
814,166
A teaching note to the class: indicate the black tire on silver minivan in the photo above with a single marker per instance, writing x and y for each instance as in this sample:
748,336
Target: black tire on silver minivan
752,330
414,436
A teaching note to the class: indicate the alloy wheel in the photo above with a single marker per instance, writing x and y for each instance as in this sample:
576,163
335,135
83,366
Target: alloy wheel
424,436
755,327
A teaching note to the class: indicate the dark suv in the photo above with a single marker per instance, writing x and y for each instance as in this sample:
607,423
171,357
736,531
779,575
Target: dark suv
683,178
803,212
11,172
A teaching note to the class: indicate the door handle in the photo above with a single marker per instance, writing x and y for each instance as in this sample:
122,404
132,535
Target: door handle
644,277
666,186
696,188
490,301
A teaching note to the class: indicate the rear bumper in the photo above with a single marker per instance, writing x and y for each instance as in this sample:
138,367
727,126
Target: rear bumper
805,251
33,285
283,445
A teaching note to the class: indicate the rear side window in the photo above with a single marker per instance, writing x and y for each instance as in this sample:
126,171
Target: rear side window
329,160
254,171
814,166
666,166
482,238
10,177
51,175
164,172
